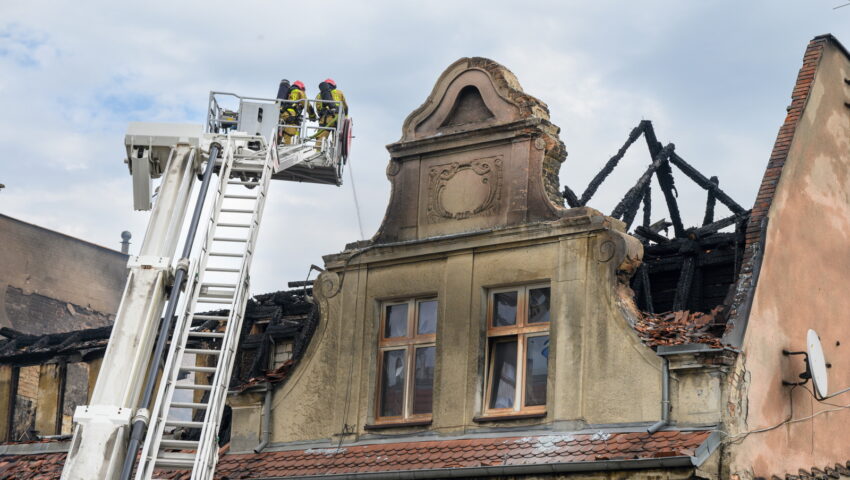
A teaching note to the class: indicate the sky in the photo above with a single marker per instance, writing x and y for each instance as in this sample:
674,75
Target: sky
713,76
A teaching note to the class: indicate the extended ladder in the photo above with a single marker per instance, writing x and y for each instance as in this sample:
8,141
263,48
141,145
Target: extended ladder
218,281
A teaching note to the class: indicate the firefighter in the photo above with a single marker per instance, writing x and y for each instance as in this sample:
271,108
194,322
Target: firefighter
328,112
292,99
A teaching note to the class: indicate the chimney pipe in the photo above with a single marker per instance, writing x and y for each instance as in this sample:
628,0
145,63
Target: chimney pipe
125,242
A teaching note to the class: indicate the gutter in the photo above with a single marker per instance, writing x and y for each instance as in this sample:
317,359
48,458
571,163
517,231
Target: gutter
506,470
265,436
665,398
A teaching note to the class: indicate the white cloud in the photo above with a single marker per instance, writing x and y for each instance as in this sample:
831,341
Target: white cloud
75,74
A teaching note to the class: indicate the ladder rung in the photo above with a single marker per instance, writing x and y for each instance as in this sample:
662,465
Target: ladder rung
241,197
229,239
175,460
219,285
184,423
210,317
220,269
216,294
200,406
207,334
234,225
236,210
225,254
197,369
181,444
202,351
193,386
236,182
220,301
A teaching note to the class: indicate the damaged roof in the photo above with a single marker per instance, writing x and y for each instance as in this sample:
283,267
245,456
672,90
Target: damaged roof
272,316
600,451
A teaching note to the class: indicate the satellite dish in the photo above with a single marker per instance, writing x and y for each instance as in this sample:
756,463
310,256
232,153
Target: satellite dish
817,363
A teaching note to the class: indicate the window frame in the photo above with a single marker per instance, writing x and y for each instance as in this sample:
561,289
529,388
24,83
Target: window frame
519,332
410,343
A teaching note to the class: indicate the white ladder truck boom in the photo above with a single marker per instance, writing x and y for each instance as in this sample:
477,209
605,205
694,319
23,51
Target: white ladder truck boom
235,157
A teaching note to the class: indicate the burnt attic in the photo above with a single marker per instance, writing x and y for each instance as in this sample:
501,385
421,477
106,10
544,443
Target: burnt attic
276,331
684,289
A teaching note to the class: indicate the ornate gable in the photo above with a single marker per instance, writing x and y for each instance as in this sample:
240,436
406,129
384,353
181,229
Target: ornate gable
479,153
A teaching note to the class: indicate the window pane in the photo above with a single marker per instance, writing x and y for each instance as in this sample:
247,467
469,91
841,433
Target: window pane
538,305
392,383
504,374
427,317
504,309
536,362
76,392
423,380
396,325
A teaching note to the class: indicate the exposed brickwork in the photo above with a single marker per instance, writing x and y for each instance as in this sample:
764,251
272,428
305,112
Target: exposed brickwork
799,97
391,457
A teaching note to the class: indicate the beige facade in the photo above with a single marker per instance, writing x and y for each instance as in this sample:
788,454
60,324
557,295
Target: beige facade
804,272
472,210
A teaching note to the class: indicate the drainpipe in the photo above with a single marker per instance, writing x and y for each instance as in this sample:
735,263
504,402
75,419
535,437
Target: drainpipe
267,422
665,398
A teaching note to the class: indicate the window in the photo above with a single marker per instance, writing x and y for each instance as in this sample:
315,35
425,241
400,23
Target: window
518,350
406,357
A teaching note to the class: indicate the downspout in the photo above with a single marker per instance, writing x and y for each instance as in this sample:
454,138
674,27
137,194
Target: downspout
265,435
665,398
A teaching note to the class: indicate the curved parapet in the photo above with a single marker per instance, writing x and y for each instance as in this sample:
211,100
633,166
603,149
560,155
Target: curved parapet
479,153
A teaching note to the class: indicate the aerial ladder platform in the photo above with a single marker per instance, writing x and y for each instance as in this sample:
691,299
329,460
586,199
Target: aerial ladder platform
151,385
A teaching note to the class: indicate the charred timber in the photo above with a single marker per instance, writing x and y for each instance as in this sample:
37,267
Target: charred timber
647,233
636,192
710,201
570,197
705,183
612,163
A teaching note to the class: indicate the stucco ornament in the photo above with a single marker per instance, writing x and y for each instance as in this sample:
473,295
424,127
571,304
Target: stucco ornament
393,168
327,285
461,190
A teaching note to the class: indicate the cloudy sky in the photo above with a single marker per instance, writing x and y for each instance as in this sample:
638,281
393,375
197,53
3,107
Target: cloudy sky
714,77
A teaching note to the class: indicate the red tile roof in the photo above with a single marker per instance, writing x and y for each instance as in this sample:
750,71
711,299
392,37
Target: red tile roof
389,457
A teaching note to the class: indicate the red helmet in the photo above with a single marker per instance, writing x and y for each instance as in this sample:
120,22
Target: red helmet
331,81
298,84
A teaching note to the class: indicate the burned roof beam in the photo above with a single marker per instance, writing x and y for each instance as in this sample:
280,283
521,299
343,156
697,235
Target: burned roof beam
715,226
570,197
683,287
705,183
636,192
710,201
665,179
612,162
647,206
12,334
647,232
632,208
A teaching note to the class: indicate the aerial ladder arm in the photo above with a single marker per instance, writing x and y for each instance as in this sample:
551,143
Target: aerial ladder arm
99,441
245,151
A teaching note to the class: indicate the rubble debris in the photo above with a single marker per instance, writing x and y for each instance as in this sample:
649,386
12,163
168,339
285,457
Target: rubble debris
680,327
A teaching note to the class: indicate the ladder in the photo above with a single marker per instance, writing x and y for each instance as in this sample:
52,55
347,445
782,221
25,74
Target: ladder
217,281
